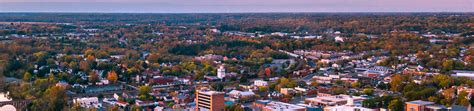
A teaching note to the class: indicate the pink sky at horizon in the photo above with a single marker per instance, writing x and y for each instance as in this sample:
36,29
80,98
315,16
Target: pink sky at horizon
237,5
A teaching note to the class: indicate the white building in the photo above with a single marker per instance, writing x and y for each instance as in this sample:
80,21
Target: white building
461,73
281,34
215,30
334,100
91,102
350,106
339,39
279,106
221,72
241,94
260,83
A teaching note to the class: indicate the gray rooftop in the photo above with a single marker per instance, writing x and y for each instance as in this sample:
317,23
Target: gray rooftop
420,102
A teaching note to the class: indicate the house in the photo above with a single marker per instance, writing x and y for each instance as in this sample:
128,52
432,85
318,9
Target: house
209,57
322,79
301,90
287,91
62,84
145,103
260,83
162,80
88,102
181,98
338,39
460,89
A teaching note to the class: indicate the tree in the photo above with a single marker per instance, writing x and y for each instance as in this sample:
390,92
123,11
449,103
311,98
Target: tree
314,83
448,65
369,103
218,86
396,84
444,81
355,84
368,91
54,99
263,89
471,101
462,98
27,77
396,105
433,99
144,93
144,90
113,108
382,86
93,77
84,66
52,78
235,107
112,76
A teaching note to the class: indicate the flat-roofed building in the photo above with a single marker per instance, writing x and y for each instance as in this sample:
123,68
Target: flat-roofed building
268,105
207,100
335,100
417,105
462,73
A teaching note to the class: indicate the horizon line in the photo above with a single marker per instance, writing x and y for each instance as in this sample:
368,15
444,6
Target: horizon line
238,12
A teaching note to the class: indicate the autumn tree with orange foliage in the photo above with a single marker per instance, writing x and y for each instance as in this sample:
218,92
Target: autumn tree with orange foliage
112,76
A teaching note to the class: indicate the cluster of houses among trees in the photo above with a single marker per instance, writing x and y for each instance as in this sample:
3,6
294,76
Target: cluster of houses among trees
269,62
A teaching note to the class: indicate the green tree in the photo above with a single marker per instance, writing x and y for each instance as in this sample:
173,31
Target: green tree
218,86
355,84
462,98
448,65
397,83
368,91
27,77
144,93
396,105
54,99
236,107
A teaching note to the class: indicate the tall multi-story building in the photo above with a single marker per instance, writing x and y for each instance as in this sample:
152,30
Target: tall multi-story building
207,100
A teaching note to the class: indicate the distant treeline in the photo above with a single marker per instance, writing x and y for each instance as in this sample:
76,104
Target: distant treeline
371,23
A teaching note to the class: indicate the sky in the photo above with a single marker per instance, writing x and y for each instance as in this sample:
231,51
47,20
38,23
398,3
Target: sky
235,6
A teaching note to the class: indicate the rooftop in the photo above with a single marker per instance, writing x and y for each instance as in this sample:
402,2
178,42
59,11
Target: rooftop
209,92
273,105
420,102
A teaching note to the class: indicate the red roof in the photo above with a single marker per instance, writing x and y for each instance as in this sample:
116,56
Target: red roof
163,80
